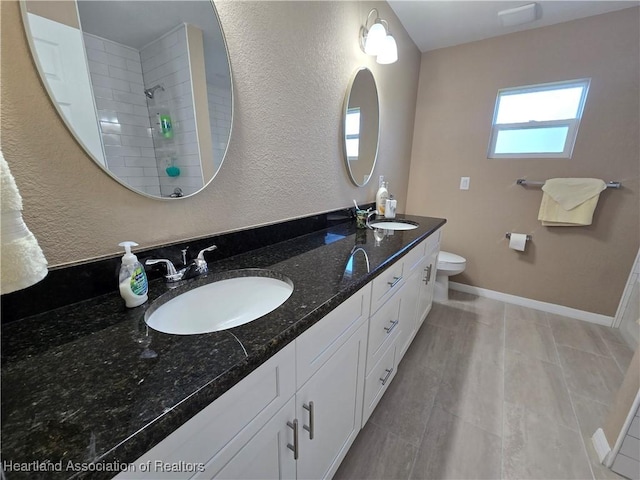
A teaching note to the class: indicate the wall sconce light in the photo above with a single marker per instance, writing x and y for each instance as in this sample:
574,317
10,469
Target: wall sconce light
378,41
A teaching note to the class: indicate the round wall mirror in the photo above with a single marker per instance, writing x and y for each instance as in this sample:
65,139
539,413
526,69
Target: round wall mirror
144,86
361,126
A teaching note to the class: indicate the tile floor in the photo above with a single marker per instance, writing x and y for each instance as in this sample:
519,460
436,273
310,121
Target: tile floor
490,390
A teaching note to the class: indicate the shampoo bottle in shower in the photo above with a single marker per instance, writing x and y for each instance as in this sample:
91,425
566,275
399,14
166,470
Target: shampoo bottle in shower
166,127
132,279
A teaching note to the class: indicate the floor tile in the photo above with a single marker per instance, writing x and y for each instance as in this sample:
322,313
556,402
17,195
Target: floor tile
473,392
377,454
445,316
477,341
486,310
609,334
538,387
405,407
431,347
592,376
540,449
524,313
621,353
455,449
577,334
530,338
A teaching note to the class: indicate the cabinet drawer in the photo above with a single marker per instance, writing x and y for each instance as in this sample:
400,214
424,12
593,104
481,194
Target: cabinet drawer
386,284
433,241
378,380
414,257
239,413
315,346
383,328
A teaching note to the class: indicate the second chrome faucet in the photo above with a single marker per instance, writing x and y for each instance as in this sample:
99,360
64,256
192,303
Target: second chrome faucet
197,266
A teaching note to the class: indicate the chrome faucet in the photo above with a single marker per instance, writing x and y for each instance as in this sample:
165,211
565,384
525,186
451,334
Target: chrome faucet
198,266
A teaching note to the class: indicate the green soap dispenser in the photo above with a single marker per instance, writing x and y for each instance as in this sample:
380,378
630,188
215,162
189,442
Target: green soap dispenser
132,278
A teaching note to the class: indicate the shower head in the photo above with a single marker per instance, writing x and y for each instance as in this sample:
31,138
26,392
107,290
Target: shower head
149,92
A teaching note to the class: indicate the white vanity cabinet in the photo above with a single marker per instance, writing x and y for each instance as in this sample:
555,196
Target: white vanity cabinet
297,414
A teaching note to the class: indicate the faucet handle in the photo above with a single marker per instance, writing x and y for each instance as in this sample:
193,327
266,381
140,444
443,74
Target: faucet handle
199,264
208,249
172,275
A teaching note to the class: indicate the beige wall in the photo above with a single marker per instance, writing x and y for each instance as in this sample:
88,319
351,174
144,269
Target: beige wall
64,11
579,267
291,61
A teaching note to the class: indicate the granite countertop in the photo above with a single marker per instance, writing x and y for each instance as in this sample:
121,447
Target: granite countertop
91,384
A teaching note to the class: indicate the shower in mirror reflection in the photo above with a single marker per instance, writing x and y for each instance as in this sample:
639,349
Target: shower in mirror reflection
157,117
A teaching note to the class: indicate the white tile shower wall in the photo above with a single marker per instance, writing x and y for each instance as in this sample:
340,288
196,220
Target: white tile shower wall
116,76
220,115
166,62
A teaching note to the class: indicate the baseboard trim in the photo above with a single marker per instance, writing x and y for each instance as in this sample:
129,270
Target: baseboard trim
601,444
535,304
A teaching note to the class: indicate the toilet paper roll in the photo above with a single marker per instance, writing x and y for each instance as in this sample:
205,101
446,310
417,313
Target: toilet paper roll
518,241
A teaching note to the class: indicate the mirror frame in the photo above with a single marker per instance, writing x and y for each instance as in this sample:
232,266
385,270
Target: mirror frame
345,109
36,60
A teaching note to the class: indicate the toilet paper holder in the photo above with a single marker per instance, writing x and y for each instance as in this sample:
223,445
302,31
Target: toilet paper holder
508,235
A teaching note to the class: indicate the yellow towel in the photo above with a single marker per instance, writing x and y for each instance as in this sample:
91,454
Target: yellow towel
569,202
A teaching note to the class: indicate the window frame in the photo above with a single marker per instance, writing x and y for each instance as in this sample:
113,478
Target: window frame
572,123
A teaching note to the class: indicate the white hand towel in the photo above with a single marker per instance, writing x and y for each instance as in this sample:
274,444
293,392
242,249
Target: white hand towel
22,262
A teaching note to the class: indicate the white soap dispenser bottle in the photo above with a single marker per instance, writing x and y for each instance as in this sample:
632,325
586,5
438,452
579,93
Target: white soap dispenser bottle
132,278
381,198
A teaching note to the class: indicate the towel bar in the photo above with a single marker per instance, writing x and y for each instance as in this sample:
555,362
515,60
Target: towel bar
508,235
528,183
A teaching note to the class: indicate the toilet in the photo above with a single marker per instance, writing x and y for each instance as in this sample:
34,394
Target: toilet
448,264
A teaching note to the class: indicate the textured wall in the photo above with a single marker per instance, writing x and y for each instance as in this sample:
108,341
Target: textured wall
291,62
580,267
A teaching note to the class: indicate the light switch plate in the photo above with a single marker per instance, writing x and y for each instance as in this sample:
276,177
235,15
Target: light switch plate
464,183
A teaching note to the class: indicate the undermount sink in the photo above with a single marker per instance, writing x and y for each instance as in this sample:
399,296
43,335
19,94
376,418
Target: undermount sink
394,225
223,304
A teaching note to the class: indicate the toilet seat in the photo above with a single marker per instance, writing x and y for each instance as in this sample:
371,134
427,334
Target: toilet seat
450,261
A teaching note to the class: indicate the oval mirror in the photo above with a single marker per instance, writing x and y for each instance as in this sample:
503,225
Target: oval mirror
361,126
144,86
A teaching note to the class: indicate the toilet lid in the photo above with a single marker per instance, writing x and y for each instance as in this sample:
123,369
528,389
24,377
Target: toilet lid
447,257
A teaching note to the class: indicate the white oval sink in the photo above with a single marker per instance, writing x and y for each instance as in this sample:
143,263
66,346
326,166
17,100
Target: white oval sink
394,225
220,305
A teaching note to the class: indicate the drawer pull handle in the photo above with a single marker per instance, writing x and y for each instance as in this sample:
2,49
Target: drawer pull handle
294,447
390,328
395,281
427,279
309,428
386,377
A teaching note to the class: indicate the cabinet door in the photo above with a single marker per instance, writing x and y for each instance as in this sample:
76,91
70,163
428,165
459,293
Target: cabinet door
267,454
329,409
408,311
427,286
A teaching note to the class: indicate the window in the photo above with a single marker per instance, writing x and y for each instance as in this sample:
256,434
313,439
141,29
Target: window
352,133
539,121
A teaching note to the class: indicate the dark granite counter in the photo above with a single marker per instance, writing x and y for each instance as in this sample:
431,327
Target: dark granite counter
91,384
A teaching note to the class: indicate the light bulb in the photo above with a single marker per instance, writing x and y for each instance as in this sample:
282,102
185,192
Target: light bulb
374,43
389,52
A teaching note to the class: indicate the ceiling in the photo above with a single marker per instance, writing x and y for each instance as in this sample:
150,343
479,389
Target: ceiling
433,24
